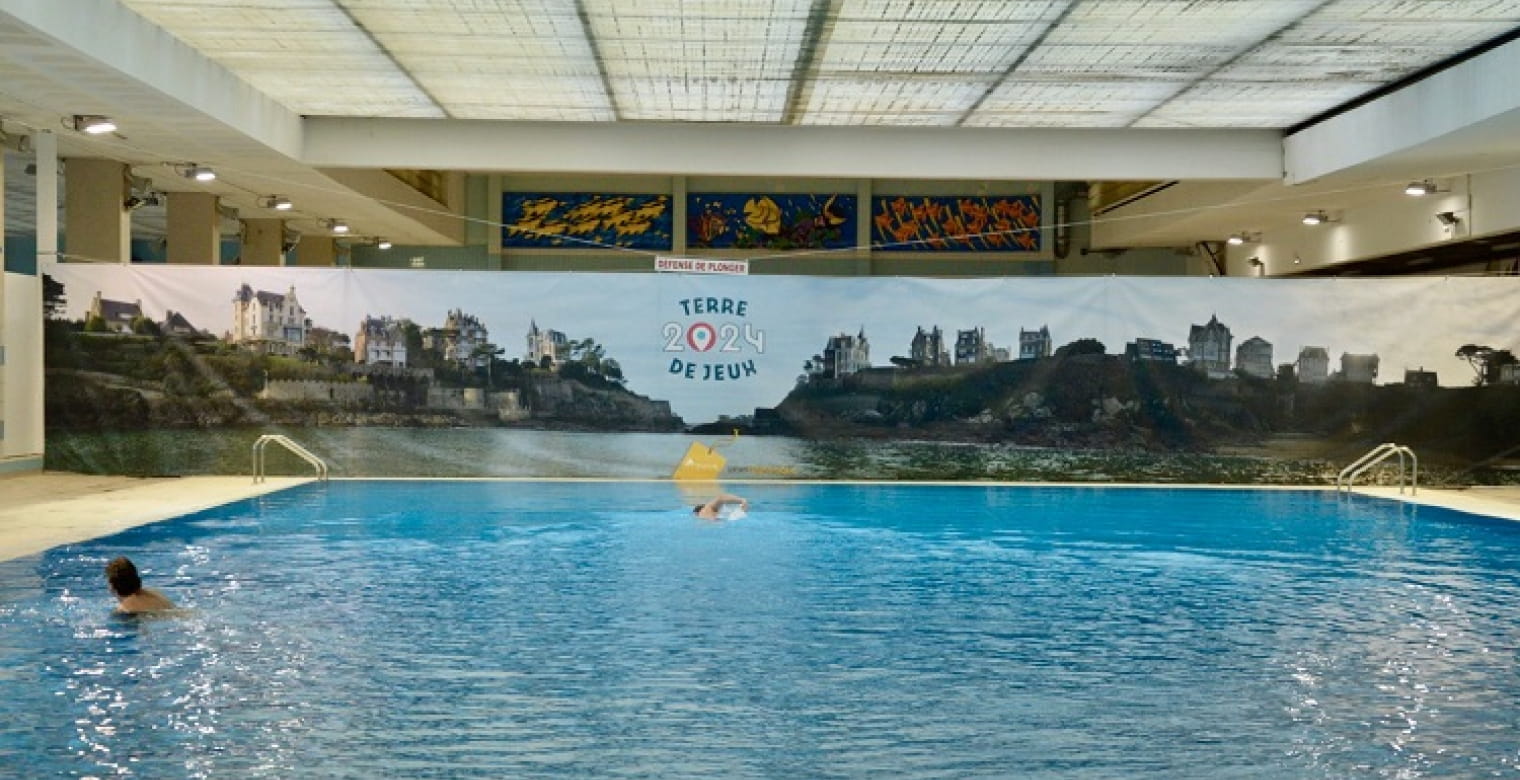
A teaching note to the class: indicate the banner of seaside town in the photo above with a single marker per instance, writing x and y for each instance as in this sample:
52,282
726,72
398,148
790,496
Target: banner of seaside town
175,370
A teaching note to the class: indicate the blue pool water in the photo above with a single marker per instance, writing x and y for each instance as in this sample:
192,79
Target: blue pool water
486,629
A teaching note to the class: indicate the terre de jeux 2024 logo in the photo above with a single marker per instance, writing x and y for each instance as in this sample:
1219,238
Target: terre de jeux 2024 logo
718,331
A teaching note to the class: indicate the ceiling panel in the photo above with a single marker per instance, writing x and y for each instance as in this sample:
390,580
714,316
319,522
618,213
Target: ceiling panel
524,60
1245,105
306,54
1109,102
911,102
699,60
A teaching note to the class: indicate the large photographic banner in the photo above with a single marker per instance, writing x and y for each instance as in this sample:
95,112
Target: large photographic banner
176,370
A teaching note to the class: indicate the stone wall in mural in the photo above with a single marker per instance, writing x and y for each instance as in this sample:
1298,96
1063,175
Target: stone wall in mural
969,223
774,222
585,220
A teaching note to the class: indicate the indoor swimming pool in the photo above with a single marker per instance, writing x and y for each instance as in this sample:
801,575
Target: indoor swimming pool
599,629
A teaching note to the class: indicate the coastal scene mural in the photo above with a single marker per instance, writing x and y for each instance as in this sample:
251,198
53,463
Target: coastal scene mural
401,373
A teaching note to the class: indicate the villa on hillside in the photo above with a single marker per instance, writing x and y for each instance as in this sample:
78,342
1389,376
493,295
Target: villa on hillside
268,322
1254,357
1035,344
842,356
1361,369
117,315
1151,350
175,324
928,348
972,346
459,338
1209,348
545,343
1313,366
381,341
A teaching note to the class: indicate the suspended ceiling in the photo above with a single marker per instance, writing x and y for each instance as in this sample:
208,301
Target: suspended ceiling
1139,65
971,63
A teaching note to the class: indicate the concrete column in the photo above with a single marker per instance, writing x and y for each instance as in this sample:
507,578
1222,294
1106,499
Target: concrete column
261,241
678,215
195,229
97,225
317,250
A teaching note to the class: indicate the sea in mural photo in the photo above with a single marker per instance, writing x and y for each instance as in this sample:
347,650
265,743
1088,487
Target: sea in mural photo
408,373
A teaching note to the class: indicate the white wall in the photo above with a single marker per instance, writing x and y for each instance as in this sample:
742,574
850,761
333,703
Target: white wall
21,376
1485,203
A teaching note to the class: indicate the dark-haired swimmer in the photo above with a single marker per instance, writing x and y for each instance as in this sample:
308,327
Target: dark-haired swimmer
712,509
133,598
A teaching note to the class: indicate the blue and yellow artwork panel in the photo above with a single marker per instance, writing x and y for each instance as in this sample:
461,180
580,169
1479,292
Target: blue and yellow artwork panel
585,220
776,222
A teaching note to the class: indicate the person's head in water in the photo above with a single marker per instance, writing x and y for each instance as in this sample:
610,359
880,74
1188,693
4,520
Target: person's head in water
123,577
697,510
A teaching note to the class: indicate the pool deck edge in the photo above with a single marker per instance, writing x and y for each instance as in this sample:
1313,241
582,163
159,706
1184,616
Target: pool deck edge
41,511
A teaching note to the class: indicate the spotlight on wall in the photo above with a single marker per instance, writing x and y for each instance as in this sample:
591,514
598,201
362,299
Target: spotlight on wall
1448,218
276,202
199,173
382,244
1315,218
137,201
338,227
1417,188
94,124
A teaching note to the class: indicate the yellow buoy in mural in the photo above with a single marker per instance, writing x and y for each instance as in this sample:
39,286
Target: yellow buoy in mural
702,461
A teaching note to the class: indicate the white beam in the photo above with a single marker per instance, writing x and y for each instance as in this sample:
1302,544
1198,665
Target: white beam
1432,123
109,33
770,150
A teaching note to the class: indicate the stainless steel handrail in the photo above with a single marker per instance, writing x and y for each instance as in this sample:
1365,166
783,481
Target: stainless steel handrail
1377,455
286,442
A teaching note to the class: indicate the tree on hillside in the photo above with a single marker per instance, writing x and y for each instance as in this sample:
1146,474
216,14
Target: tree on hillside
143,326
490,352
1082,347
1487,363
53,301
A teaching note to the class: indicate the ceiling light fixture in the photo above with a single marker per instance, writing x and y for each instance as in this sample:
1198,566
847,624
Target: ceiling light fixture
277,203
199,173
382,244
338,226
94,124
1315,218
1417,188
1448,218
1236,239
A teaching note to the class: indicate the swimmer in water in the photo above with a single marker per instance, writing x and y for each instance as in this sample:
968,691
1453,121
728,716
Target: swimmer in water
712,509
133,598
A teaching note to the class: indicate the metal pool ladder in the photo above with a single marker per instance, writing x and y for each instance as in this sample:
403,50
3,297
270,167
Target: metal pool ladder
1377,455
286,442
